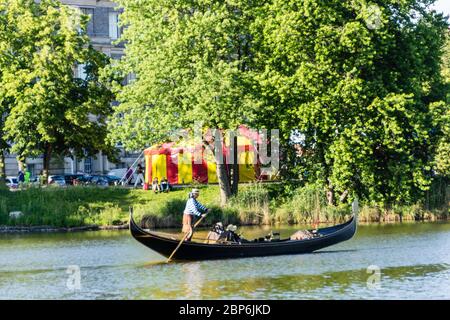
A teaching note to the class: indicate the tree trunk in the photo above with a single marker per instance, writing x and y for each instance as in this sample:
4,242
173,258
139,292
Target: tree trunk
235,180
21,165
47,157
2,168
224,183
235,168
330,195
223,174
2,165
343,196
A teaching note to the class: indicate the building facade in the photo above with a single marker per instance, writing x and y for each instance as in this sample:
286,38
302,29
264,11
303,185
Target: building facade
103,30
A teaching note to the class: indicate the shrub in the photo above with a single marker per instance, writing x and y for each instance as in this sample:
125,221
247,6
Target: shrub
369,213
305,205
251,204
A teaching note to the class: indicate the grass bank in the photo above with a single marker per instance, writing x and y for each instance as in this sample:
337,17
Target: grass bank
79,206
255,204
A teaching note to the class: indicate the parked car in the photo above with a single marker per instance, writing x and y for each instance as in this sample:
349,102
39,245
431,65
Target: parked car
57,181
82,180
12,182
113,180
34,180
104,180
121,173
70,178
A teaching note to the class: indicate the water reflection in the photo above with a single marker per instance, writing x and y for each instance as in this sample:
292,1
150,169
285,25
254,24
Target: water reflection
193,280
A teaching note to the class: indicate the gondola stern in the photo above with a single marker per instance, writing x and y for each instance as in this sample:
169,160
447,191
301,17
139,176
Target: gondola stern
354,225
351,228
355,211
135,230
148,239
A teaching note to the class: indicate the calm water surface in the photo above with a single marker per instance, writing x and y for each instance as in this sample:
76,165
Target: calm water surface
413,261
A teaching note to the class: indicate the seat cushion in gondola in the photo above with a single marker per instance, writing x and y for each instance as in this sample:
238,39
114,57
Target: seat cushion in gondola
302,235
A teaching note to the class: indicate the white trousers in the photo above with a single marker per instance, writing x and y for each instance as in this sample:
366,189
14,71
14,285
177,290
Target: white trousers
139,179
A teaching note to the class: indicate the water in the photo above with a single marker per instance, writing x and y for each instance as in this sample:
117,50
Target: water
397,261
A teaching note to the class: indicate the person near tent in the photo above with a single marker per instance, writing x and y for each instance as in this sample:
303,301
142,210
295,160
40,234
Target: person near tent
165,185
129,175
193,209
155,185
140,175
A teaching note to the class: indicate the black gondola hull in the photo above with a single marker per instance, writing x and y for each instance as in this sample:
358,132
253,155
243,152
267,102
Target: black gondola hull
201,251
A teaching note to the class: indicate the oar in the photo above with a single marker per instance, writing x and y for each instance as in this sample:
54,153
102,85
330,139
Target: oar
184,237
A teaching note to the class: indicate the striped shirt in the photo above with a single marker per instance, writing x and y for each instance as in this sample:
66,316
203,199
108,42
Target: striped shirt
193,207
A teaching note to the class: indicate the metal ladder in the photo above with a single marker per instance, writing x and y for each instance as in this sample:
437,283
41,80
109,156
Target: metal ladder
124,180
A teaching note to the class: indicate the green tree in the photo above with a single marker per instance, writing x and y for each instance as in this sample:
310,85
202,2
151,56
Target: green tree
441,119
359,81
3,113
49,109
3,144
192,61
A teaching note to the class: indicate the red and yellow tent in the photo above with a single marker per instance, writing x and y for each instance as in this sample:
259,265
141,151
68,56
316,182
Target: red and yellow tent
186,164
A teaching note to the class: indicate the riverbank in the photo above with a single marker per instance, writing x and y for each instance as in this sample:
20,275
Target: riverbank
50,229
91,208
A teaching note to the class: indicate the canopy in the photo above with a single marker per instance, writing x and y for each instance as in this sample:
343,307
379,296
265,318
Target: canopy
189,163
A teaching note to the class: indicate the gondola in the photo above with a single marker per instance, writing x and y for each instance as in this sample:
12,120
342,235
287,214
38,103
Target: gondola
165,244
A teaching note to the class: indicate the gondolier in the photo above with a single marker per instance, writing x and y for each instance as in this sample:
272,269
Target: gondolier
193,209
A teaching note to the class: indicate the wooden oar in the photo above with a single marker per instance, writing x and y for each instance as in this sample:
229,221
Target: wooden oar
184,237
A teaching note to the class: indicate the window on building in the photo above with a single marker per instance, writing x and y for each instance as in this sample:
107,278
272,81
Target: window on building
81,71
114,28
32,168
90,25
88,165
131,77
